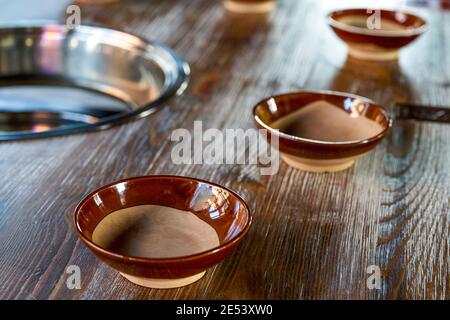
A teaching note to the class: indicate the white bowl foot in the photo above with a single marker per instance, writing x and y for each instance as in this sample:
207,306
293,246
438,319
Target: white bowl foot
312,165
163,283
377,54
241,7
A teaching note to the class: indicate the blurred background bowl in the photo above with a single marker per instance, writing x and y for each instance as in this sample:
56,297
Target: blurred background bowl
376,34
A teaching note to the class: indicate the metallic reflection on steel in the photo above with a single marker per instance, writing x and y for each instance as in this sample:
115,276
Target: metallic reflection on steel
139,73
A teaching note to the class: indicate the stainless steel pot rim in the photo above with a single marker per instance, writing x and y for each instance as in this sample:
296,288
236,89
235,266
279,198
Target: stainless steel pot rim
175,83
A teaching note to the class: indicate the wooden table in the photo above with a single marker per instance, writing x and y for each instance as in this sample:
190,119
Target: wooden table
314,235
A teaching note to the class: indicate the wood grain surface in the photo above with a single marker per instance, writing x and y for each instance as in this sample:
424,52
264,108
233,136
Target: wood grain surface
314,235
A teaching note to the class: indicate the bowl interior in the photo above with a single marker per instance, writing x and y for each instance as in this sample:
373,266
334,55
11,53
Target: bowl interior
270,110
392,22
220,208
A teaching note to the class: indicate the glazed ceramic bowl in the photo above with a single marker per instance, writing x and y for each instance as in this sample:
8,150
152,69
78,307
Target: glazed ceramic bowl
372,36
313,154
219,207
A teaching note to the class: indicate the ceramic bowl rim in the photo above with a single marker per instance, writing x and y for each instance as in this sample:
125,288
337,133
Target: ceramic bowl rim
321,142
377,33
192,257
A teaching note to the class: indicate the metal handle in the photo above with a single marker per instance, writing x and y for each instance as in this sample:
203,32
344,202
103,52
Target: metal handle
408,111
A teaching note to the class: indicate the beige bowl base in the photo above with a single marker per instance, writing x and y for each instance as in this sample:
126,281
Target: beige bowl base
95,1
249,7
163,283
373,53
312,165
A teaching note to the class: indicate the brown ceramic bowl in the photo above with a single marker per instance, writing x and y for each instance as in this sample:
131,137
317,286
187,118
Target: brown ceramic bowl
219,207
320,155
383,40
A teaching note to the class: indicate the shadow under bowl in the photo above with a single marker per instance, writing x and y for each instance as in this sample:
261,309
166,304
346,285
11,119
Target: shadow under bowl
219,207
319,155
376,34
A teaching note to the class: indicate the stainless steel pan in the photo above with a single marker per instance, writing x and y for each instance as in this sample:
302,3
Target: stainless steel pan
139,73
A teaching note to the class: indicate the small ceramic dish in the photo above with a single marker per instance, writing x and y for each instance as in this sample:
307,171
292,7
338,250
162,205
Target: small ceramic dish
372,37
220,208
322,131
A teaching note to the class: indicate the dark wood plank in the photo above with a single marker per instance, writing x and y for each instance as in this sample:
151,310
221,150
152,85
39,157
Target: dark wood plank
314,235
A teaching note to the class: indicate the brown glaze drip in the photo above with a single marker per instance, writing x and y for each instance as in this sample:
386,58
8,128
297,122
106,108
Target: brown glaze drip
151,231
324,121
